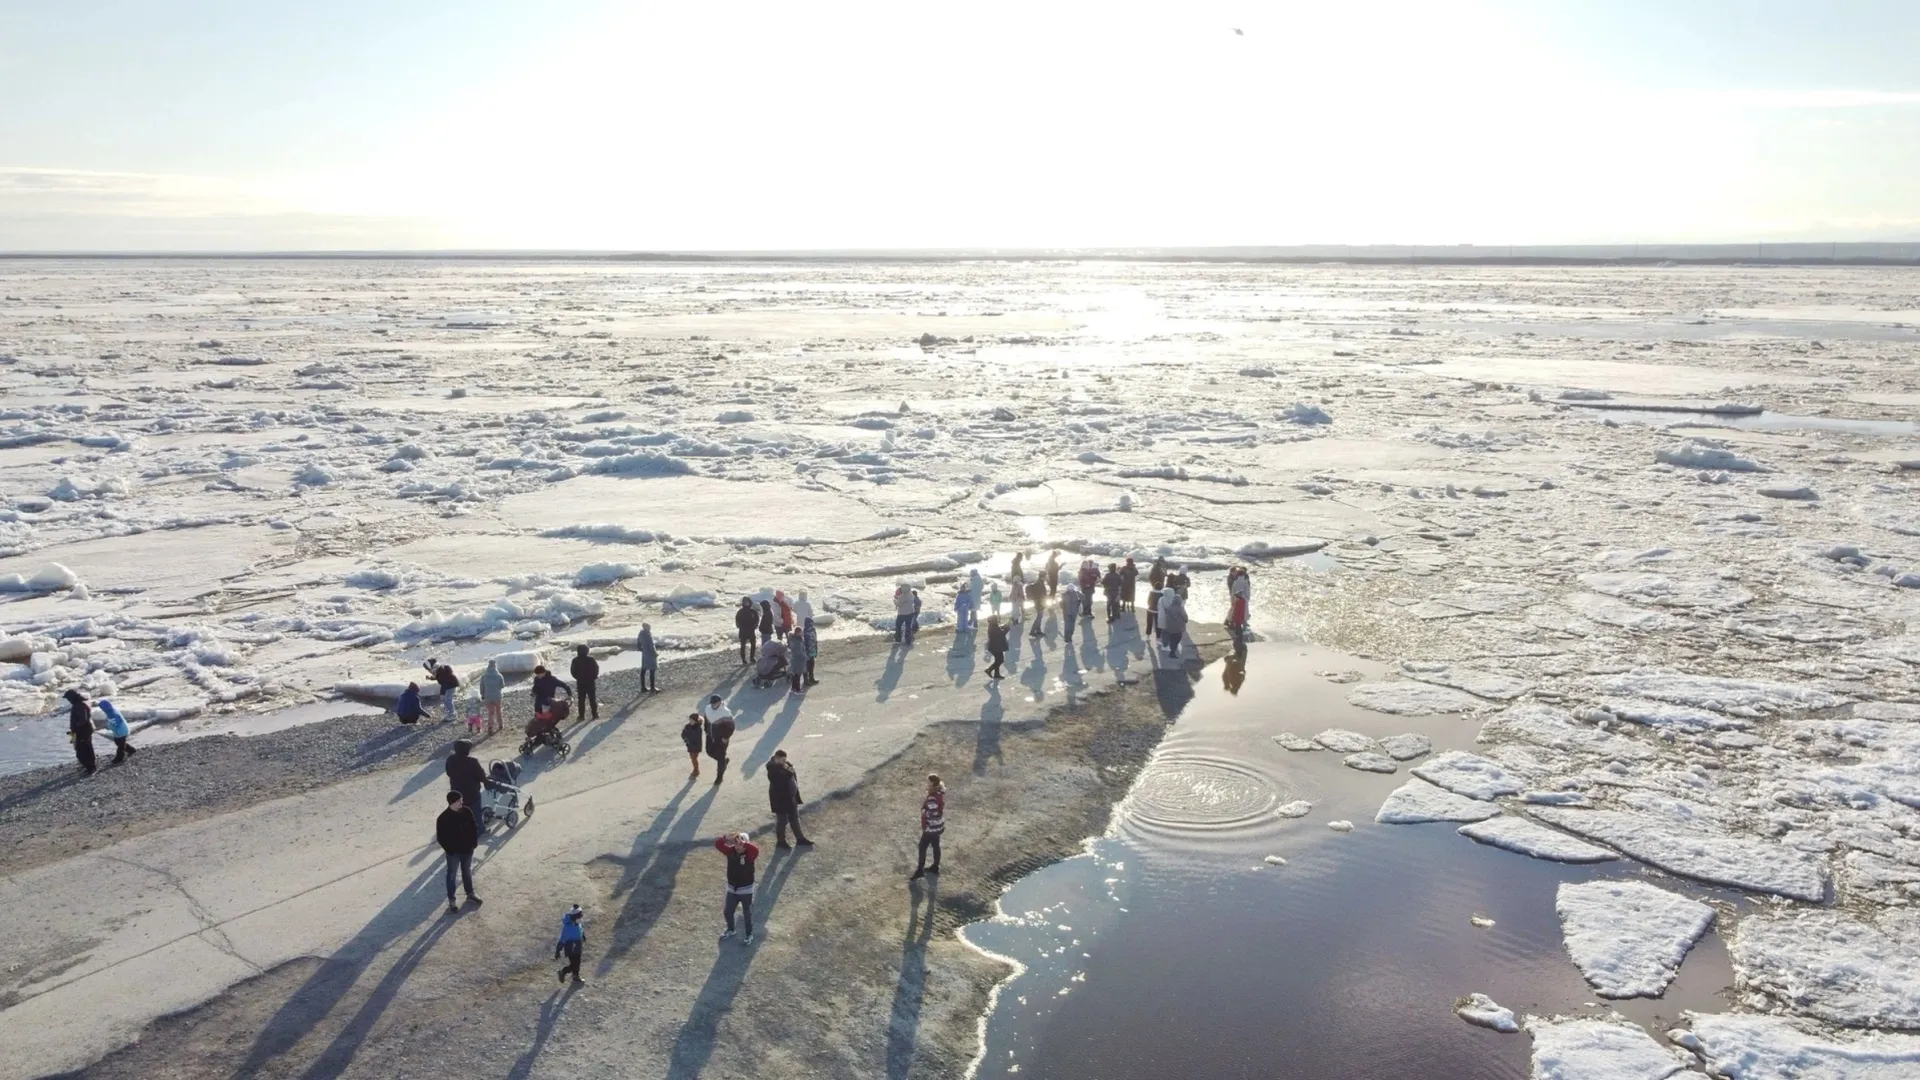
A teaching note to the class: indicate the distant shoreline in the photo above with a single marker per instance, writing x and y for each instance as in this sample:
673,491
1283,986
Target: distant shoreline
1784,254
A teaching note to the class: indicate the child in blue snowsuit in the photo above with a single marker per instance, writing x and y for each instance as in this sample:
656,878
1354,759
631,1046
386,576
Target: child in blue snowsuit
573,938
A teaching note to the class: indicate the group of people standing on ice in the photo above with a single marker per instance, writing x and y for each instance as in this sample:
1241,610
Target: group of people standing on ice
1167,588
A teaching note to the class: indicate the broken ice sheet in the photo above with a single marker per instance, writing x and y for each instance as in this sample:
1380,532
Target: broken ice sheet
1628,937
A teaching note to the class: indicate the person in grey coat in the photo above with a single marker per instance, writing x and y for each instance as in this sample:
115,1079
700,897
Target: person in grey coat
493,686
649,660
1173,619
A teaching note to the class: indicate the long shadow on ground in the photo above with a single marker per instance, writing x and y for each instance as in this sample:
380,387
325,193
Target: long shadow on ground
694,1047
649,871
903,1027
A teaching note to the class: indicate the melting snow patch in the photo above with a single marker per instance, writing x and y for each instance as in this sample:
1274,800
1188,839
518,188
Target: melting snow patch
1470,775
1628,937
1527,837
1758,865
1566,1049
1417,801
1482,1011
1834,965
1411,698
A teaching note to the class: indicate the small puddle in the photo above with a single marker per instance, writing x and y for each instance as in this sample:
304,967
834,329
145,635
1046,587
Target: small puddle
1173,948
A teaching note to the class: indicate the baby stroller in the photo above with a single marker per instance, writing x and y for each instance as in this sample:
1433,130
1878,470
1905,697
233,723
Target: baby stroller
772,664
502,799
544,728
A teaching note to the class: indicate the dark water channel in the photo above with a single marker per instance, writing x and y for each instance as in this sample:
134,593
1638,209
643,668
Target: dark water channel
1174,948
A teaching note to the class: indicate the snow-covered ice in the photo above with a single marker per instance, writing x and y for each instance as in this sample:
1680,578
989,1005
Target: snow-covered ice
1482,1011
1343,741
1406,747
1371,762
1417,801
1469,774
1628,937
1745,1047
1412,698
1839,966
1578,1049
1697,852
1517,833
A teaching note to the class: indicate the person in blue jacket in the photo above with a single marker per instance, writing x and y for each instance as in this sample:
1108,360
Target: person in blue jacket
407,708
117,730
573,938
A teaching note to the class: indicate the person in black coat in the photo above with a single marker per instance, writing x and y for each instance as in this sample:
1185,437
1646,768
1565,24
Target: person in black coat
996,646
746,620
458,836
586,677
1129,577
80,725
783,795
1110,584
467,776
766,621
693,735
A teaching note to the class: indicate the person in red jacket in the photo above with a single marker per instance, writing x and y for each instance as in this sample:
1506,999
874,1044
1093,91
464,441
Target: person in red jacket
933,822
740,856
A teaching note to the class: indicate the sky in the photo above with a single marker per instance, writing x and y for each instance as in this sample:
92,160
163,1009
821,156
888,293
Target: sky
133,125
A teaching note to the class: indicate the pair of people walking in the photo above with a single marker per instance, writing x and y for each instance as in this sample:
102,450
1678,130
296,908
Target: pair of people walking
80,730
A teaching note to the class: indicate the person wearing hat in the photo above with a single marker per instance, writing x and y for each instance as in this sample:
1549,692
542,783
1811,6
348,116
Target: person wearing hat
458,833
586,676
573,939
80,728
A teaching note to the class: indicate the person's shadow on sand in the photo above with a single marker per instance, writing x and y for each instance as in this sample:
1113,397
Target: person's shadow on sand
903,1025
550,1011
694,1047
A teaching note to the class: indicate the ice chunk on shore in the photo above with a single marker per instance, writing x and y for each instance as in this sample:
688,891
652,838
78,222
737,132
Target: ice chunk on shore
1565,1049
1342,741
1484,684
1720,694
1482,1011
1519,834
1746,1047
1371,762
1406,747
1628,937
518,663
1470,775
1416,801
1411,698
1759,865
1834,965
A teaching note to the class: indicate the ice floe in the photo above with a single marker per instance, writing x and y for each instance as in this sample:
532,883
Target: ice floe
1417,801
1412,698
1692,851
1570,1049
1482,1011
1470,775
1519,834
1628,937
1839,966
1746,1047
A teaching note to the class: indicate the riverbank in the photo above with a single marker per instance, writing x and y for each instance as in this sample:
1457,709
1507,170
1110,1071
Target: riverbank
853,974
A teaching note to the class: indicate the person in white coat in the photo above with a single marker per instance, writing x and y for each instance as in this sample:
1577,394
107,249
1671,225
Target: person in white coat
802,609
1173,620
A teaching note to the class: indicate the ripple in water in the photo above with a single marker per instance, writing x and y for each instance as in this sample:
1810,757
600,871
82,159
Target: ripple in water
1190,796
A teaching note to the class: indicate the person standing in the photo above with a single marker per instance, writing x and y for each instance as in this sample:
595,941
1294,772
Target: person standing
766,621
811,639
1053,572
1037,593
1153,613
1089,581
720,727
933,823
783,795
458,836
693,734
1111,586
802,607
746,621
448,682
467,776
117,730
1180,582
80,727
994,600
913,618
586,680
1017,585
785,611
1157,575
1173,619
963,609
493,687
996,646
1070,598
740,855
649,660
796,662
573,940
1239,600
1129,578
